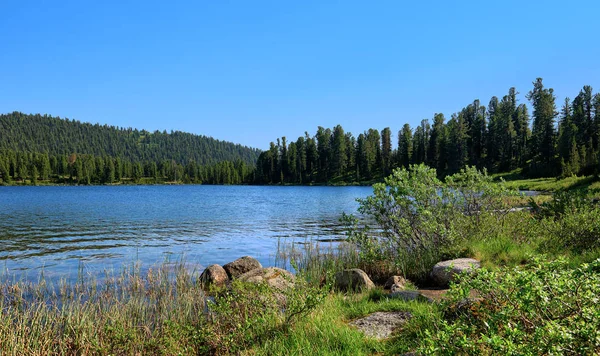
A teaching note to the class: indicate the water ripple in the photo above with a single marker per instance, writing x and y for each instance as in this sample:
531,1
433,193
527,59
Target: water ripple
62,229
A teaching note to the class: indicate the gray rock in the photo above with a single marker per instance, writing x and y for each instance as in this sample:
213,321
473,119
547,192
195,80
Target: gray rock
213,275
395,283
444,272
275,277
352,279
240,266
381,325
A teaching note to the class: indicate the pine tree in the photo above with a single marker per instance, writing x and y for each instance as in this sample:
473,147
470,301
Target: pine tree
405,146
543,134
386,151
437,144
421,142
324,149
338,151
456,145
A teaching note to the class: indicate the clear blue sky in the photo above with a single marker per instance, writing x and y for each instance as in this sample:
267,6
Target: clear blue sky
252,71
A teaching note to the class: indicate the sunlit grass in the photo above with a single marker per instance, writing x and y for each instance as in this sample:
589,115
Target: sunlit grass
327,331
129,313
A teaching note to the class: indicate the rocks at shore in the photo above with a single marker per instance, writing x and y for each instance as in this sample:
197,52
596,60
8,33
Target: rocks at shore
213,275
240,266
444,272
352,280
246,269
381,325
275,277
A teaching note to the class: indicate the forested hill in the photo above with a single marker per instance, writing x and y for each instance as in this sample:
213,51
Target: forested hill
55,136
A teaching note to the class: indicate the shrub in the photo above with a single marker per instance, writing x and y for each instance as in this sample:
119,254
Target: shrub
544,308
577,231
562,203
246,314
414,219
570,222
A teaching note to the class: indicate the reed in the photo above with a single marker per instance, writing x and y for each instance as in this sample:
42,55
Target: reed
129,312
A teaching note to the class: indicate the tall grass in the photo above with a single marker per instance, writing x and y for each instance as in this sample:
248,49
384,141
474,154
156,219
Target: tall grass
317,261
157,312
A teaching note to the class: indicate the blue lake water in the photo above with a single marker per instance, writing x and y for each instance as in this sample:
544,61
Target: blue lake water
64,231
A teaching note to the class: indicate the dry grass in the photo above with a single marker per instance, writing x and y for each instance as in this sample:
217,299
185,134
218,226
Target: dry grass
131,313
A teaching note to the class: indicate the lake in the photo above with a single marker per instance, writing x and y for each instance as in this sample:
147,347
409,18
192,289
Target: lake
67,230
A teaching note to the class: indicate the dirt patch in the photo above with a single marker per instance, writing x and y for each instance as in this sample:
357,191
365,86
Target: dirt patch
434,294
381,325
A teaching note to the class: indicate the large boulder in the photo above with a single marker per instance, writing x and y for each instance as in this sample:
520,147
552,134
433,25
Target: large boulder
444,272
240,266
213,275
275,277
381,325
352,279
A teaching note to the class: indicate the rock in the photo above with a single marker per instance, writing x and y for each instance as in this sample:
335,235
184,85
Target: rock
381,325
395,283
352,279
409,295
275,277
213,275
240,266
443,272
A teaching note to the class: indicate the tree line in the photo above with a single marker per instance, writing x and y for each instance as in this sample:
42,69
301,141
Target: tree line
42,148
501,137
34,168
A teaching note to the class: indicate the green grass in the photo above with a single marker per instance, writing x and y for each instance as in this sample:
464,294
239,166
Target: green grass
130,313
516,180
326,331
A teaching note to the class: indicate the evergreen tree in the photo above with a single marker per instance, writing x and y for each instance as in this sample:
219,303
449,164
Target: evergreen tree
338,151
456,145
567,141
324,150
421,142
437,144
386,151
522,132
543,134
405,146
312,156
474,115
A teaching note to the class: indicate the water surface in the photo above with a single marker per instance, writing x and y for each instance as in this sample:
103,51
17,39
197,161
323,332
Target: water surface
73,229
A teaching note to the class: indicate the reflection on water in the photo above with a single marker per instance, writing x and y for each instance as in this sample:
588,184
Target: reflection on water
66,230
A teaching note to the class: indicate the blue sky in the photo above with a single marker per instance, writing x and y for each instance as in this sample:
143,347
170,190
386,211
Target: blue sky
252,71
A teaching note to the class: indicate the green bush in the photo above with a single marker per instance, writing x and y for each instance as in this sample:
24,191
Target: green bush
414,219
246,314
562,203
544,308
577,231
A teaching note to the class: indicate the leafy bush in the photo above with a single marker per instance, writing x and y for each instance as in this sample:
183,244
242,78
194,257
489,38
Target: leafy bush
578,231
544,308
246,314
562,203
570,221
414,219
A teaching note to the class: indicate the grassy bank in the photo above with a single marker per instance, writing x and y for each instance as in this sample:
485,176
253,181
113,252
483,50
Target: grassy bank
536,294
514,179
